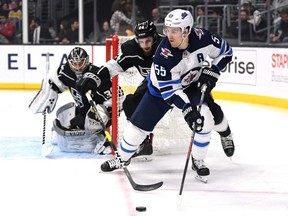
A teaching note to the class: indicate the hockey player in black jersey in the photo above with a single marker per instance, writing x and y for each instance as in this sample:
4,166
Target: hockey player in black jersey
76,127
177,73
137,52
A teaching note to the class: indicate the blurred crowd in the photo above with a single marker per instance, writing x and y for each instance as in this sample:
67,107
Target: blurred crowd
251,20
10,21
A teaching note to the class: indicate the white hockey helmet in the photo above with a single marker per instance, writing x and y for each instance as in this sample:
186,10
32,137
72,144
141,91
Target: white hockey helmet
179,18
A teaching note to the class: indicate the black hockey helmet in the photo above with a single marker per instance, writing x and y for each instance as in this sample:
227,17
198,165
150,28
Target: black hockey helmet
78,59
145,29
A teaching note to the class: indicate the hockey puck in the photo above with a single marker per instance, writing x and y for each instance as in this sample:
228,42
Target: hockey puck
140,208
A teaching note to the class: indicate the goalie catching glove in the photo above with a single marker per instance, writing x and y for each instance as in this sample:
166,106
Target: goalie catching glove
209,76
192,115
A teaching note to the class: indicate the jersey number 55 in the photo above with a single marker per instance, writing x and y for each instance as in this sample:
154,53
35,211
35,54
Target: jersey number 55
159,70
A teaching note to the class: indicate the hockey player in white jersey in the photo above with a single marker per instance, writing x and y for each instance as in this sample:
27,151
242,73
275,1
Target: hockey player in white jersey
76,127
139,52
175,81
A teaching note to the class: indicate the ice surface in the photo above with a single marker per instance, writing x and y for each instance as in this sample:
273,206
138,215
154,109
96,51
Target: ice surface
254,182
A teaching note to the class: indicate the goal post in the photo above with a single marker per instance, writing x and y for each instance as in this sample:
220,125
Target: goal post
111,52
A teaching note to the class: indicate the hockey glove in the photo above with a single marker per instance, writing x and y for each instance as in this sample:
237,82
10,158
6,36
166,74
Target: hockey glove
89,81
209,76
192,115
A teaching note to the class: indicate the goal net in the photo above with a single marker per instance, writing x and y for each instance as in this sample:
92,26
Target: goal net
171,134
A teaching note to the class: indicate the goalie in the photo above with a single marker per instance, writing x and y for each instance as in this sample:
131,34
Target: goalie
76,128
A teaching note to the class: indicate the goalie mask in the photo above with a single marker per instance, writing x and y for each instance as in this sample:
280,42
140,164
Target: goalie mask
78,60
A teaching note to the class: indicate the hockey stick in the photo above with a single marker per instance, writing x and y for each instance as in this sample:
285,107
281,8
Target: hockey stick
203,90
45,151
134,185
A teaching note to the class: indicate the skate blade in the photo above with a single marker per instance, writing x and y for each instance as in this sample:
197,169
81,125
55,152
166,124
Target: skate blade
202,179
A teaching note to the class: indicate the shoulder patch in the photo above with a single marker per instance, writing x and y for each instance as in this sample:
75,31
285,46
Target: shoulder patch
166,53
198,32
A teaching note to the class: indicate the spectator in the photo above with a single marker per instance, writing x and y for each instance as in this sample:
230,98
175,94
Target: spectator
246,27
281,34
200,23
249,7
63,28
50,25
40,32
121,19
15,14
5,8
213,20
72,35
156,16
105,31
7,29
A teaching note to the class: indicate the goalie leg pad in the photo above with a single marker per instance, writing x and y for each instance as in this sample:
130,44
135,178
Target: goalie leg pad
91,121
80,141
65,113
46,98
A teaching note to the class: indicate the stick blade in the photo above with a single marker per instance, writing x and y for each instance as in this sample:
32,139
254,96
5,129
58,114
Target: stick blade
179,202
45,151
139,187
150,187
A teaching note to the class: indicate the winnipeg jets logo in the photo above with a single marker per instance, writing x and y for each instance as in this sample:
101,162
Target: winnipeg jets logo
183,15
188,78
166,53
199,32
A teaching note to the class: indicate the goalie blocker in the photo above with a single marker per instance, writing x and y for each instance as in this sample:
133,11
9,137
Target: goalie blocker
90,140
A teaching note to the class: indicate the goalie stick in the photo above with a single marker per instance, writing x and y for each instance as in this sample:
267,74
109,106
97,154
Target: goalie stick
134,185
203,90
45,150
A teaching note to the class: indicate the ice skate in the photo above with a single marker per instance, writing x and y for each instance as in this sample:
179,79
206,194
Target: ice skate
201,170
113,164
228,145
145,150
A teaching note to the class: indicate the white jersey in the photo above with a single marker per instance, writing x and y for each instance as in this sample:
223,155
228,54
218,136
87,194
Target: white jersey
174,69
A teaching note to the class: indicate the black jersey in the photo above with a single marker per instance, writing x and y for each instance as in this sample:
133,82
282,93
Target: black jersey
132,55
69,79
